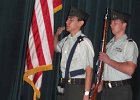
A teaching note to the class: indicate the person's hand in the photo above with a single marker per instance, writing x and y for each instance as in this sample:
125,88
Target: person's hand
59,30
104,57
100,87
93,85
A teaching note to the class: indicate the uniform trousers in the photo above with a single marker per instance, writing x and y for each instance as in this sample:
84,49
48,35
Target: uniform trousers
117,93
72,92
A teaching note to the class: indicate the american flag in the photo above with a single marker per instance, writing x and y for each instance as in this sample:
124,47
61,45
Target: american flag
40,48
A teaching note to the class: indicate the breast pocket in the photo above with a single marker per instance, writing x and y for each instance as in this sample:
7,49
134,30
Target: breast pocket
118,53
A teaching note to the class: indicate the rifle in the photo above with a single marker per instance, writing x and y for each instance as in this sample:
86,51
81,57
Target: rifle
101,64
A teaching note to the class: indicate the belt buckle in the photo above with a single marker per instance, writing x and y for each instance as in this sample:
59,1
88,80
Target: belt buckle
69,81
109,84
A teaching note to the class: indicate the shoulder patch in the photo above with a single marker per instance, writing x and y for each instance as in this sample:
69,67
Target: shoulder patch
80,38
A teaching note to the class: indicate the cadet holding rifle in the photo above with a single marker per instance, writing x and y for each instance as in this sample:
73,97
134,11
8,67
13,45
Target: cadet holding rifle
120,60
94,90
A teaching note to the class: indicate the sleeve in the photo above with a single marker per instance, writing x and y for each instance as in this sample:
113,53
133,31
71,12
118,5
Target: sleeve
131,53
90,53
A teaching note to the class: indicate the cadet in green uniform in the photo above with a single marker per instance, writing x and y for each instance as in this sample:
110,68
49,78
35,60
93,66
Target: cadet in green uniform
79,62
120,60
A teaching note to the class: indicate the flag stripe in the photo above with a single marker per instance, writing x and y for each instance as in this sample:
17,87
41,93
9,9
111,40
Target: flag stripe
29,64
44,40
48,25
37,75
32,50
40,48
57,4
37,41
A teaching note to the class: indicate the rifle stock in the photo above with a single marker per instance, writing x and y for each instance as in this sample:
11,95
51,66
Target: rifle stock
101,64
95,91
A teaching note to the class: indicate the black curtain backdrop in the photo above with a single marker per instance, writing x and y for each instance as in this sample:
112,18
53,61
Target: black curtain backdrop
14,25
15,18
135,35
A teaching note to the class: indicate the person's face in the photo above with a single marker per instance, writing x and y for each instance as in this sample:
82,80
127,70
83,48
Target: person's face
117,26
73,24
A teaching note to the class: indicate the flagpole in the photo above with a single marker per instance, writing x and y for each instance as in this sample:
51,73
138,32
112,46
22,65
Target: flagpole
34,98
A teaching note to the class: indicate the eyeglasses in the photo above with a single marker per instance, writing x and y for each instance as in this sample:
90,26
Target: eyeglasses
71,19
